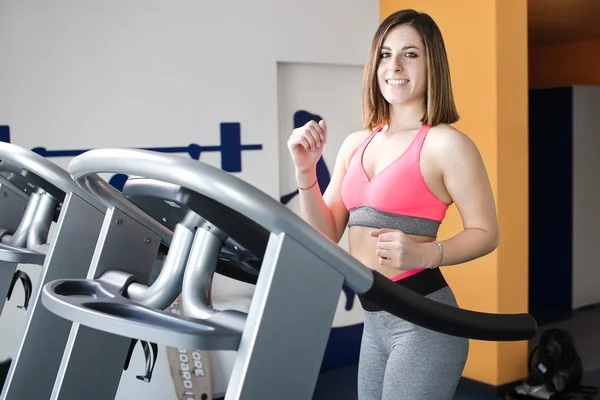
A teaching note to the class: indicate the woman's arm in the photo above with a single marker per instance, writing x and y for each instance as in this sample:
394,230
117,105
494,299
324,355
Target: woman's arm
327,213
466,180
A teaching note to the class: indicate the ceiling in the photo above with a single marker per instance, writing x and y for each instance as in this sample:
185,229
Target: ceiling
554,21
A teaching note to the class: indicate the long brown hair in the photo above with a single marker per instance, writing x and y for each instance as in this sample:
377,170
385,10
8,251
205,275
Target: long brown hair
439,100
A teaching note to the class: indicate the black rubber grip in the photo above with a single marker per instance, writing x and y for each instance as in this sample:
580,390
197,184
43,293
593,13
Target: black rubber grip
443,318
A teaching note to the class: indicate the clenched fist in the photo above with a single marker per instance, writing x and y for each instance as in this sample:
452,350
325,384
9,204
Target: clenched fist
306,145
396,249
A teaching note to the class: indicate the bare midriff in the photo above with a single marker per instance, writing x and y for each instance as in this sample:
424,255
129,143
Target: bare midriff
363,247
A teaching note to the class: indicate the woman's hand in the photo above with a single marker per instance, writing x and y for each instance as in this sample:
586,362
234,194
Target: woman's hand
306,145
396,249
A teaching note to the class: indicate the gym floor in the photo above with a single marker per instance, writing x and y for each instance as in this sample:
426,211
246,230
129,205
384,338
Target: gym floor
583,324
340,384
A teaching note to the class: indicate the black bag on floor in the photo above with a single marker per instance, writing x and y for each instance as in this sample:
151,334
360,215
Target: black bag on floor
555,369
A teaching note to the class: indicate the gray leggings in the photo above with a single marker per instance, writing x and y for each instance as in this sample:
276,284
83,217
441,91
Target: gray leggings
402,361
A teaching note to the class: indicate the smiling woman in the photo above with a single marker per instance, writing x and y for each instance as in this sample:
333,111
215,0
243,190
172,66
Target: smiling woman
391,186
423,55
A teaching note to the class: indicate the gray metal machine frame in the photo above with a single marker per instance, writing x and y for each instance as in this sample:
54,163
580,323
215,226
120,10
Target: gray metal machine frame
280,342
35,363
33,369
27,214
283,337
12,203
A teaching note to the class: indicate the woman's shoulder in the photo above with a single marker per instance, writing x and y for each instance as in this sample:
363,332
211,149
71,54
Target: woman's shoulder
451,147
447,138
352,142
355,139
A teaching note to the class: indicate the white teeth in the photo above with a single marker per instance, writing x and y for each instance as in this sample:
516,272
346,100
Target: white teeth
397,81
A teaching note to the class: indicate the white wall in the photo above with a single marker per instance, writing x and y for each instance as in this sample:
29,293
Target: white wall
586,195
331,92
86,74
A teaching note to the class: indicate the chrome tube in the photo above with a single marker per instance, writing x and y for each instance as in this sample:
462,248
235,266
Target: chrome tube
37,235
168,285
196,296
19,238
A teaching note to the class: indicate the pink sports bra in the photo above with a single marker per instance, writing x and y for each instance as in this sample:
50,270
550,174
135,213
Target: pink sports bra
397,197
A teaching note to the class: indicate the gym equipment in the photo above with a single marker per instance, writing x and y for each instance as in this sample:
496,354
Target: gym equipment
298,273
45,191
13,204
34,203
32,194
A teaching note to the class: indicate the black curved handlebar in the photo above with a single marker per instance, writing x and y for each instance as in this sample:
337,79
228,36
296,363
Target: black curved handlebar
443,318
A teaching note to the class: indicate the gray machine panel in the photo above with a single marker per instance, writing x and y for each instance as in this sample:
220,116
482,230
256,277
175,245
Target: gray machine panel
13,202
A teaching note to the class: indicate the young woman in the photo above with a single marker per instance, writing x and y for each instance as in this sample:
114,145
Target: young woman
391,186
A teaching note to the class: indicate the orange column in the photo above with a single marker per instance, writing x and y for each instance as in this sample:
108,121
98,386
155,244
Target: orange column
487,49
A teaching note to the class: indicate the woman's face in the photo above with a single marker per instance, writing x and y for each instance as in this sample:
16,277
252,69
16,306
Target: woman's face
402,70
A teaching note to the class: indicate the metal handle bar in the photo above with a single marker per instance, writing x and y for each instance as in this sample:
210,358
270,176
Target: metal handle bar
244,198
164,291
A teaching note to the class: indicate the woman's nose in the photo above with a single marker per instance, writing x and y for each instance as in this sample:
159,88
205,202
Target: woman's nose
395,64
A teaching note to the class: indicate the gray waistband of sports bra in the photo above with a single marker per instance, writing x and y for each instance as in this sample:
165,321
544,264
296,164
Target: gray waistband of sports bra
371,217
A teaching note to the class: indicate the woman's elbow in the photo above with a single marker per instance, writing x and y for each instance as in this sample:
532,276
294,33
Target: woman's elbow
493,240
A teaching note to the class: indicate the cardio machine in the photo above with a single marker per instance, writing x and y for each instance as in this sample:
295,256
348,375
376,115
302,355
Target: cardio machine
213,222
28,206
34,193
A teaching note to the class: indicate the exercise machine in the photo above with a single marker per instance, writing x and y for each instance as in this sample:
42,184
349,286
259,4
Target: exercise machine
38,192
28,207
32,194
13,228
220,224
29,204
